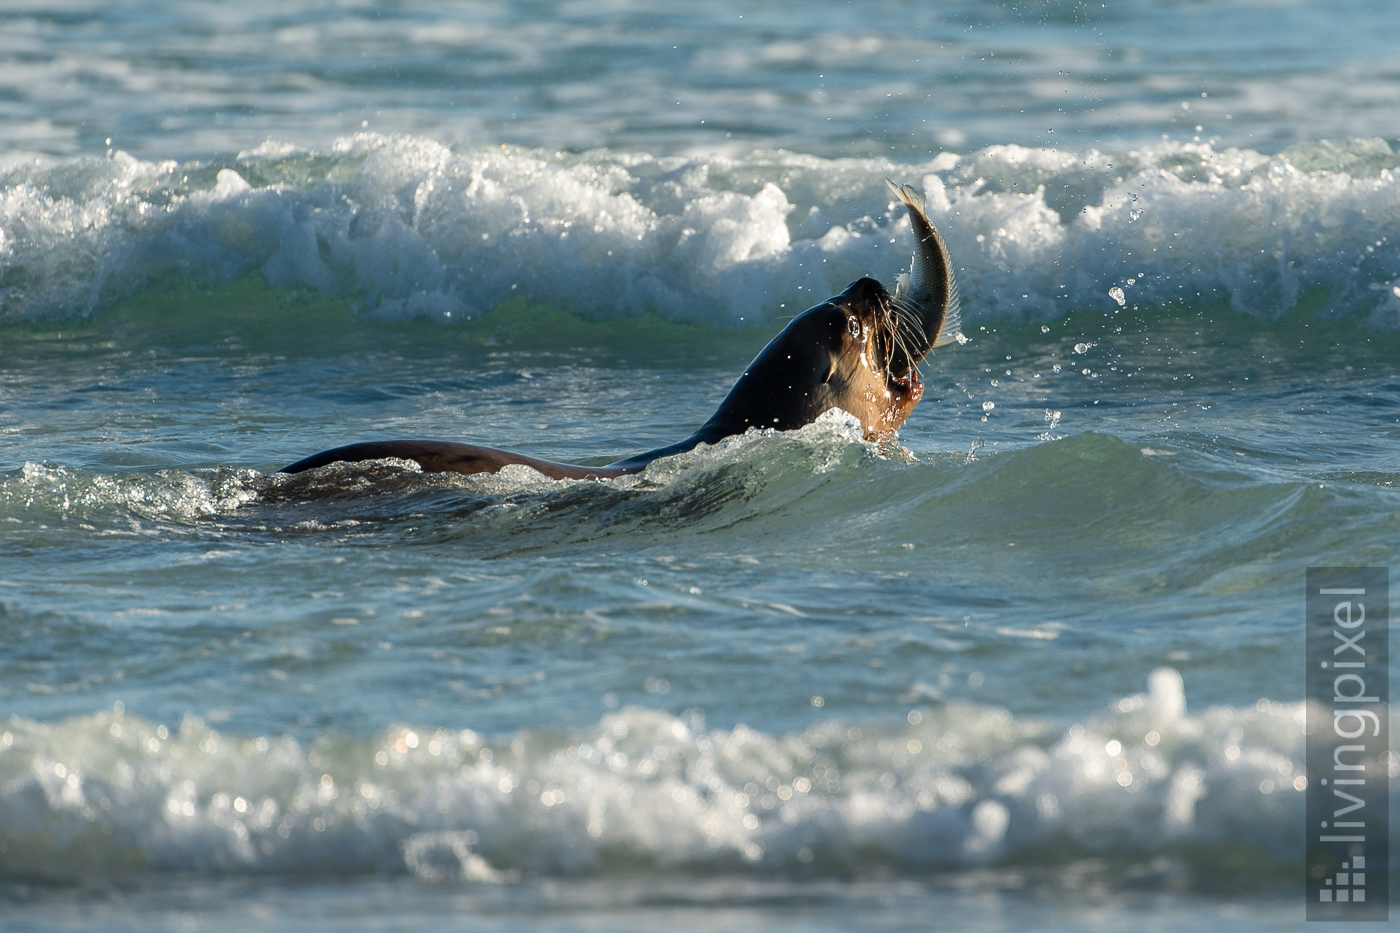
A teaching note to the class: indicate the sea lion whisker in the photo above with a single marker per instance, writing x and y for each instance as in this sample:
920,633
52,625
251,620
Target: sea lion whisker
892,336
911,330
909,312
901,325
881,335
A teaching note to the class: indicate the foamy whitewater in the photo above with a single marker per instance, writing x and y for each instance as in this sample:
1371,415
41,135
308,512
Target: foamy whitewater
959,785
1035,666
419,230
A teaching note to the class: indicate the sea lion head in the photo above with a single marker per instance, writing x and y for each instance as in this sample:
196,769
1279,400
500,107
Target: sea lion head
858,351
855,351
871,351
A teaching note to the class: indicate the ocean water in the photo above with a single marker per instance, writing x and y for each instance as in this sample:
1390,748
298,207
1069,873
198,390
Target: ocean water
1037,665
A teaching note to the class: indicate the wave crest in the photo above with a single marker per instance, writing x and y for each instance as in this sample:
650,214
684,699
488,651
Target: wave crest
954,786
412,228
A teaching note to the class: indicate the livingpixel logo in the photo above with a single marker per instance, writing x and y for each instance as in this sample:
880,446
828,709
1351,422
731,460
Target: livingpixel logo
1347,853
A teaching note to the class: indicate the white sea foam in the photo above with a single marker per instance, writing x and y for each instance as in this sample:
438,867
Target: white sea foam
954,786
43,498
412,228
47,492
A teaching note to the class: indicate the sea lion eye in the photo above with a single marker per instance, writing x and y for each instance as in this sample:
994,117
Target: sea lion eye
853,326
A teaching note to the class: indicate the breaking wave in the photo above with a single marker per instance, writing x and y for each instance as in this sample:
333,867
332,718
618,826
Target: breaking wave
951,786
408,227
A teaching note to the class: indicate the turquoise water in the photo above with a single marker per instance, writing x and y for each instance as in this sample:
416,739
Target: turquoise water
1037,665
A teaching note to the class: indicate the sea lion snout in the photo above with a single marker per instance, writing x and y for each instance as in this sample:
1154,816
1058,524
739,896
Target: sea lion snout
863,292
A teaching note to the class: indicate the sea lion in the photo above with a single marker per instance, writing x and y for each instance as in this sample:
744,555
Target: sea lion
858,351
